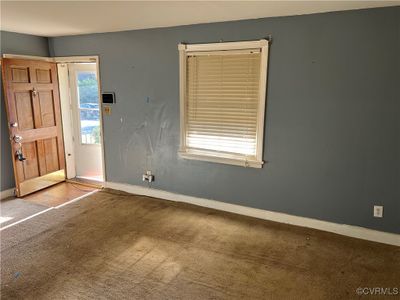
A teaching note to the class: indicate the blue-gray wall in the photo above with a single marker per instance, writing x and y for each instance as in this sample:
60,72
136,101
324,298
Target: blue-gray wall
15,43
332,125
333,116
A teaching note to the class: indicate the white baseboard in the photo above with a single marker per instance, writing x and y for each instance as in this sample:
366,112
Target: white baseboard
7,193
343,229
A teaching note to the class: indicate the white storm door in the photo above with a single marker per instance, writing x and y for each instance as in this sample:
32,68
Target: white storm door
86,118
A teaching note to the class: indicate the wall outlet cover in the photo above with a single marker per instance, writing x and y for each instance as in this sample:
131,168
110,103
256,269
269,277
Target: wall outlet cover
148,176
378,211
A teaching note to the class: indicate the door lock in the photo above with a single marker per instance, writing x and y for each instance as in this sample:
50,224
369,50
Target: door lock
20,155
18,140
14,125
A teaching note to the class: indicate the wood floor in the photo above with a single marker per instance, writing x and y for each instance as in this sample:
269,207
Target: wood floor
113,245
59,194
13,210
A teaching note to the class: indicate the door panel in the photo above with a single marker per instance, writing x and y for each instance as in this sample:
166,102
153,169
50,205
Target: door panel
43,75
46,103
50,147
31,165
19,74
23,103
33,111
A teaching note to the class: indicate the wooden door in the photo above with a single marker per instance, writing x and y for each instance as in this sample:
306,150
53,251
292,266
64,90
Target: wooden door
34,121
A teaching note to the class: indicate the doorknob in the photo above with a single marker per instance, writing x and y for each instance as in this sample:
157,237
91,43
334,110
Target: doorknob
17,139
34,92
15,124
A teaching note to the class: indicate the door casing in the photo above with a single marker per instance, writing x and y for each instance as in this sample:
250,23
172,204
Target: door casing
86,155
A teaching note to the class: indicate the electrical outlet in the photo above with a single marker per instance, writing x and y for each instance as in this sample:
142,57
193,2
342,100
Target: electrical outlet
148,177
378,211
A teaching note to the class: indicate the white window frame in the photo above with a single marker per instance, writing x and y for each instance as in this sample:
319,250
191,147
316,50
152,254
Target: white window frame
198,49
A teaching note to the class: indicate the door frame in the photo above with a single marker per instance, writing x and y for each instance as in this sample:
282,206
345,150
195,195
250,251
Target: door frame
66,60
79,146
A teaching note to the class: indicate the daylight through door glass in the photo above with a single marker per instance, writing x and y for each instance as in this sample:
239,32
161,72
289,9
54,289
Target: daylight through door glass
89,114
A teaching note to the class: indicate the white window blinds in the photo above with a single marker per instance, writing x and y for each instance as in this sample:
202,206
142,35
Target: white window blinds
222,105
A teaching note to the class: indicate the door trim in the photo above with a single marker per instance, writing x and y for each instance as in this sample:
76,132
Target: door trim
66,114
89,59
60,59
79,146
30,57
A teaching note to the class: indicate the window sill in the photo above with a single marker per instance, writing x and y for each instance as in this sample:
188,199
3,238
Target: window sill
211,157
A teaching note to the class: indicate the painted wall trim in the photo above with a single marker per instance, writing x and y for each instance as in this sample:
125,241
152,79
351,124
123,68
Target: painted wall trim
7,193
30,57
342,229
61,59
228,48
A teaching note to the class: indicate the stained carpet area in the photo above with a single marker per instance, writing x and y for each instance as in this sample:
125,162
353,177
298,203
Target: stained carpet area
113,245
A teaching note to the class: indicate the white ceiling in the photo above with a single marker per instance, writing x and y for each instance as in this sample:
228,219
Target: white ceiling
57,18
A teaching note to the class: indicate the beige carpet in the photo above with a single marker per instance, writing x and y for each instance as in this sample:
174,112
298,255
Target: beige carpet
15,209
117,246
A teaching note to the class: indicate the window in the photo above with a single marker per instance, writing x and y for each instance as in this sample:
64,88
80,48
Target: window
88,106
222,101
